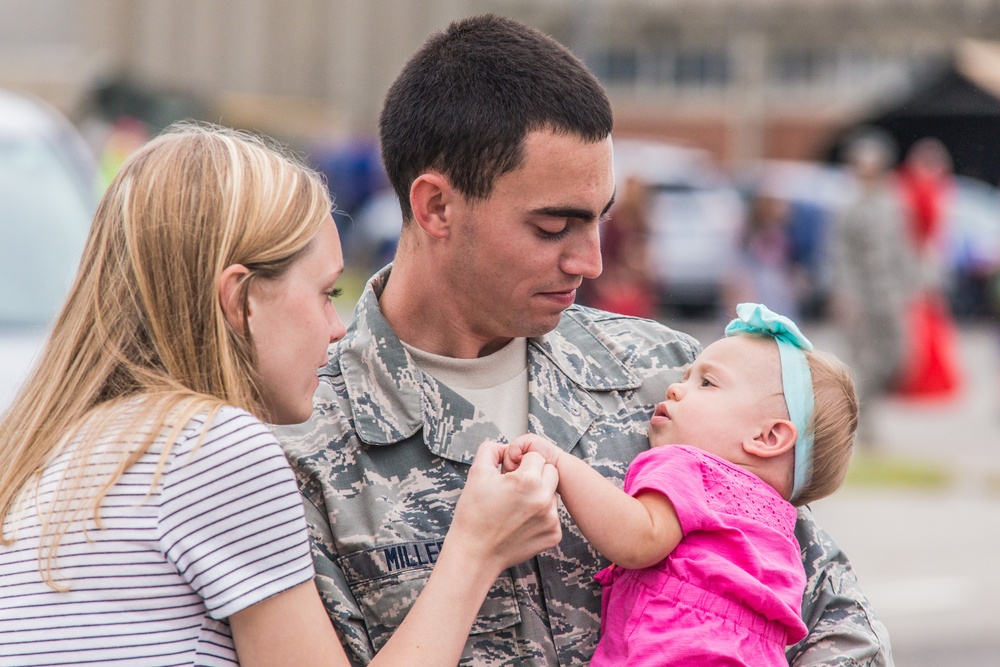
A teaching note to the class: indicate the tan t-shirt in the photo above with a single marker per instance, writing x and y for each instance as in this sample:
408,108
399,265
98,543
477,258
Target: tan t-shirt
497,384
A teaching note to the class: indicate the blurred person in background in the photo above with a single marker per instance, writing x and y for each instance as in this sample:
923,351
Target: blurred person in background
765,271
354,172
149,516
932,369
125,136
625,285
873,270
809,230
497,142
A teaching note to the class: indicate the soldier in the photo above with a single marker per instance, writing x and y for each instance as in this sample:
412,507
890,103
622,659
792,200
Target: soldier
873,270
497,142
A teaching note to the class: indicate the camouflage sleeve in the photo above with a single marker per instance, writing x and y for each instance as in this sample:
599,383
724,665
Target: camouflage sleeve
334,591
843,628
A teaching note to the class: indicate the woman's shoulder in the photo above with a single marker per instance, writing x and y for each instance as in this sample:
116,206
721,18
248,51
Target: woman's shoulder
221,416
216,422
221,435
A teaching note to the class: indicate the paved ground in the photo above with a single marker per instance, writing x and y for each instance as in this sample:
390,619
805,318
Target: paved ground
928,555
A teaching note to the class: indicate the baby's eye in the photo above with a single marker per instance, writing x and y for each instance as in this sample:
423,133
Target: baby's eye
705,382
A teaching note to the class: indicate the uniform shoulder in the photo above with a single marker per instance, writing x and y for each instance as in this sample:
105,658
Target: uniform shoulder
623,331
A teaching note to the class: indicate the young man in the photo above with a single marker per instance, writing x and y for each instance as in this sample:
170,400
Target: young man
497,142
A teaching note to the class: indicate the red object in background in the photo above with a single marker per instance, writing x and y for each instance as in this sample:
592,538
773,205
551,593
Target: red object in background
926,183
924,197
628,299
931,369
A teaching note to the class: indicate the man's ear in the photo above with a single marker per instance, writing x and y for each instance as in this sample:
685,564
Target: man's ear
229,299
431,195
775,437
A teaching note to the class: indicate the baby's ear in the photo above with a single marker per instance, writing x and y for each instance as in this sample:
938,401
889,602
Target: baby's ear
775,437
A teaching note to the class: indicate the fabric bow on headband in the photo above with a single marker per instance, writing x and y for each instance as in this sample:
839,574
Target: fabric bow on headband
796,379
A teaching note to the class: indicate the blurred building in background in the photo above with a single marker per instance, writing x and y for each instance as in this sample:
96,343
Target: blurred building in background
730,102
744,79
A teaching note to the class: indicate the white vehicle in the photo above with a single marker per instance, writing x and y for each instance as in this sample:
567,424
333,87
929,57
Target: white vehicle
695,219
47,200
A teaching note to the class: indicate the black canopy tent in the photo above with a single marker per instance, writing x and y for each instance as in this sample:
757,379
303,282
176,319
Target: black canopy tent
959,105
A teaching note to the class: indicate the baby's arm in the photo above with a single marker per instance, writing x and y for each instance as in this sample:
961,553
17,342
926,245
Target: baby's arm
630,532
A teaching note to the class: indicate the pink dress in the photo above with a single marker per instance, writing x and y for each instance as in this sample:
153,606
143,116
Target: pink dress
729,594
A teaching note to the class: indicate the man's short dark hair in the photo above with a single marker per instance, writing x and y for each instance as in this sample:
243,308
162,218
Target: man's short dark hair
467,98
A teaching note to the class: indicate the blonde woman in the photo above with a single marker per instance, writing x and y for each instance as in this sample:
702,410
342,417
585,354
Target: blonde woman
149,517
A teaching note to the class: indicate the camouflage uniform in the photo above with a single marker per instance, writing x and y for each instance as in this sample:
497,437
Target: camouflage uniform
385,456
874,270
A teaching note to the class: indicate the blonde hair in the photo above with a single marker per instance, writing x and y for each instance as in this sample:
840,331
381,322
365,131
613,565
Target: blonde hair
834,424
142,344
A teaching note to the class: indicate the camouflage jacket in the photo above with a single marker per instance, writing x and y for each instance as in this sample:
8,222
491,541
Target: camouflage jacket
384,458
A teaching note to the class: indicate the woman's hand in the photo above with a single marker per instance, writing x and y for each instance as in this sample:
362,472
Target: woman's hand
505,519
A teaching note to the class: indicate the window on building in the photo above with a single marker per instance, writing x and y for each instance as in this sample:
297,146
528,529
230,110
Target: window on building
656,65
701,68
801,66
617,67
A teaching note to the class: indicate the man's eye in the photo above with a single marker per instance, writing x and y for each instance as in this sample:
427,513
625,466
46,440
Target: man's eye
554,236
334,293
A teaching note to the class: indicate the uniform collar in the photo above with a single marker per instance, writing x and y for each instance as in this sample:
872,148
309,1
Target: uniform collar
391,399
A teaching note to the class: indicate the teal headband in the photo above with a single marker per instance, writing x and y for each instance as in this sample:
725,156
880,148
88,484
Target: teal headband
796,380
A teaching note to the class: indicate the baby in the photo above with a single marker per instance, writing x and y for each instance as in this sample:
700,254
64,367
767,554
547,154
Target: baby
706,568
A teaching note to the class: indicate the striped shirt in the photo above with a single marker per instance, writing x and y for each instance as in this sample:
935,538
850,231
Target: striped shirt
223,530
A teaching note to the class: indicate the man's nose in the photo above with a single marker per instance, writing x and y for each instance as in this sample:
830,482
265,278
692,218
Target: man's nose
584,257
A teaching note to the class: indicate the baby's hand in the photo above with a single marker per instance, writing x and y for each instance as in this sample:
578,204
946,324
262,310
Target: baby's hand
529,443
